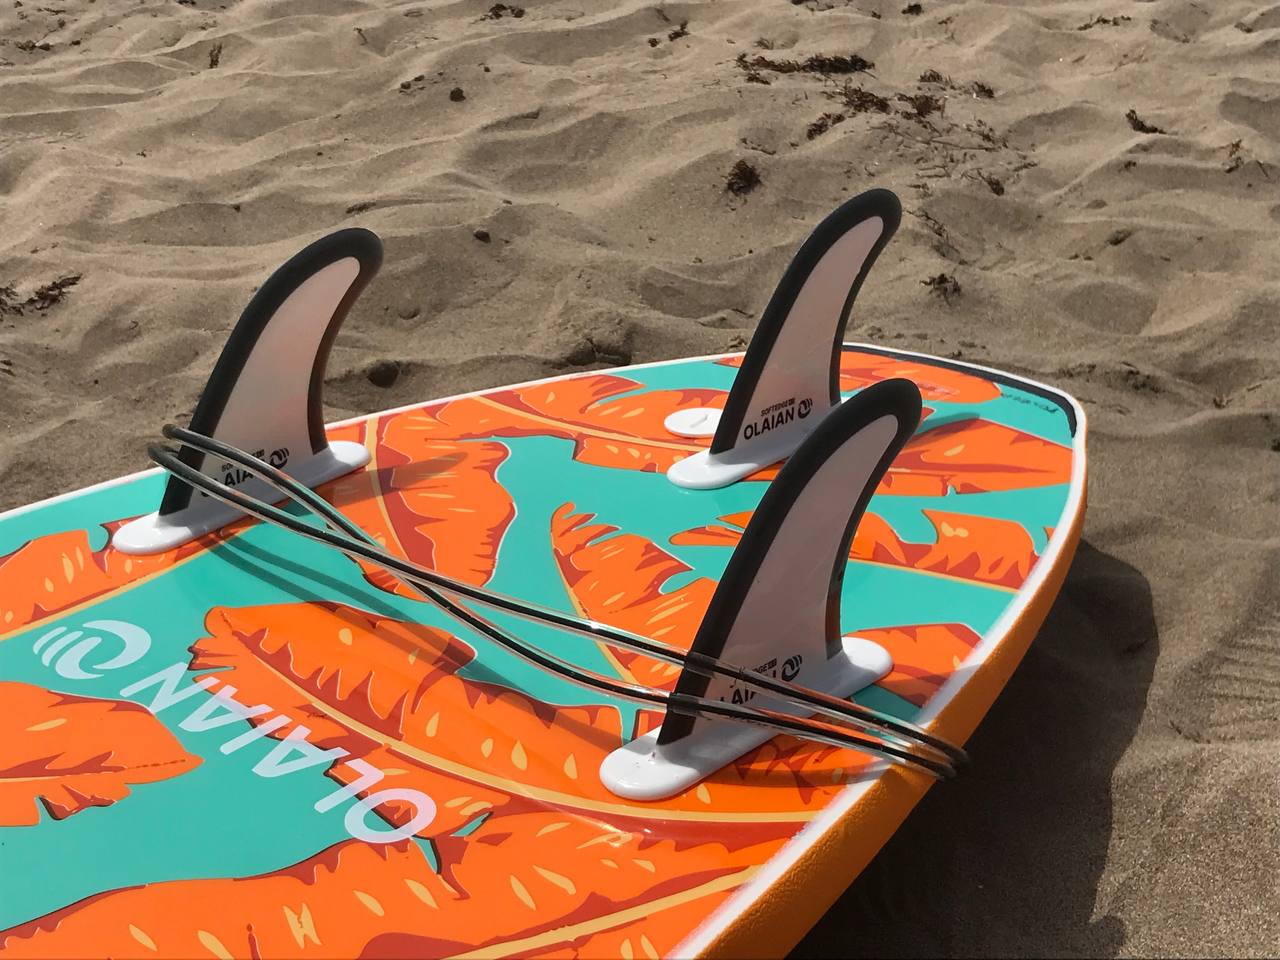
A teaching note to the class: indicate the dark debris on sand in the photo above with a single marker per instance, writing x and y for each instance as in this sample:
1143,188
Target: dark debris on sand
677,33
942,243
943,285
922,123
859,100
10,305
819,63
52,293
1140,125
977,89
1139,380
922,105
1101,21
823,124
1234,160
742,178
994,183
750,73
1235,157
912,10
500,10
45,296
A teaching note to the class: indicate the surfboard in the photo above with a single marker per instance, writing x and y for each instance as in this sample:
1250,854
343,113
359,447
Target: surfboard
218,739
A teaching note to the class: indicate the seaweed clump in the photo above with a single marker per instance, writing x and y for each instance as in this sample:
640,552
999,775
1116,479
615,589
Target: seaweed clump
742,178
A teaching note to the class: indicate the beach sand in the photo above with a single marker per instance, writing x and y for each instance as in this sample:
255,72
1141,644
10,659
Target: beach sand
1093,198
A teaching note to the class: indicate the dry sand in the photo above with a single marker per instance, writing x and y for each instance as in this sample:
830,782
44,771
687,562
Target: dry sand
1125,797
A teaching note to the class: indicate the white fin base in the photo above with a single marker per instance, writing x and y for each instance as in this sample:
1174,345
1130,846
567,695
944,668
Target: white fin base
641,770
710,471
155,534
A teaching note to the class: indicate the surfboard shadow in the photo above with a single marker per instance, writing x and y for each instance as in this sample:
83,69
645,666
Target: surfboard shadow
1006,860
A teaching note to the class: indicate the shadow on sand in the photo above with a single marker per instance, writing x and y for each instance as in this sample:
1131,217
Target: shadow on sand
1006,859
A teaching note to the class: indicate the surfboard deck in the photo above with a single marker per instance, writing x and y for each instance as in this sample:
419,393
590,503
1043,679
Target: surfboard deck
251,746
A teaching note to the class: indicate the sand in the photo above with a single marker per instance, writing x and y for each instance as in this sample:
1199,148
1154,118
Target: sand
1093,197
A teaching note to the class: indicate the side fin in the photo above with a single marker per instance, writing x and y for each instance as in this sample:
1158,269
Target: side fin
266,391
777,607
790,375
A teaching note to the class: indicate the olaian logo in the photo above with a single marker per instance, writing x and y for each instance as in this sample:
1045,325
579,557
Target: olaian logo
65,650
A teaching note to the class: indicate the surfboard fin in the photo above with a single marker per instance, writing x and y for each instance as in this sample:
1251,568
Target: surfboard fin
265,392
776,610
790,375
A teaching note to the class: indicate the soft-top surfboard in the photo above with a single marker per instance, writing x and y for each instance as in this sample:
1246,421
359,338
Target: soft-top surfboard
220,739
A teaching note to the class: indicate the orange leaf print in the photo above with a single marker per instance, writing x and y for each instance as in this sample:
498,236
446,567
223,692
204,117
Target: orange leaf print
718,535
975,456
333,654
71,753
387,692
523,882
332,905
435,501
611,424
859,370
967,547
356,681
598,402
663,924
923,656
980,549
619,579
542,879
51,574
968,456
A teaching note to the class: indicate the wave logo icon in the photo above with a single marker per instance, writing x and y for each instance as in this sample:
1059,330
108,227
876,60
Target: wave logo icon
791,668
65,650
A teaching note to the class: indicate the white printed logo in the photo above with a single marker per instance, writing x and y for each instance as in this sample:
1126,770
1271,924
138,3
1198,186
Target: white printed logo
65,650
